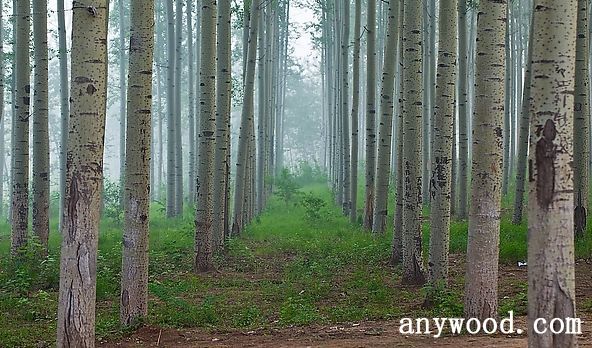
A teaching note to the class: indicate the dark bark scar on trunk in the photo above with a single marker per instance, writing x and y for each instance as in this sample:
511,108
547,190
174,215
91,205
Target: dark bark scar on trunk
545,155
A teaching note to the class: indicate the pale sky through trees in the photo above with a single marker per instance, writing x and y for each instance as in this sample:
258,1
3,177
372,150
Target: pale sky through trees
301,48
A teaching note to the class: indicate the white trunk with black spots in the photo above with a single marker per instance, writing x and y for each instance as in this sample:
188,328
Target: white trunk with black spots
444,109
40,126
223,105
581,124
354,115
243,151
412,109
78,266
20,144
134,270
171,118
64,103
204,212
487,163
463,112
551,278
385,127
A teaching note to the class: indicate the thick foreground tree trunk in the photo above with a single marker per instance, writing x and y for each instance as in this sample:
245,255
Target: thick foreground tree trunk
78,266
551,278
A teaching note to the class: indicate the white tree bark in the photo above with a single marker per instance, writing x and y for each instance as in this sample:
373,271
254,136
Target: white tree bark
134,269
443,121
551,278
78,266
481,299
20,145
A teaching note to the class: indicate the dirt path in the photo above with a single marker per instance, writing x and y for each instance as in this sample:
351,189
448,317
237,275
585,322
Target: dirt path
364,334
367,334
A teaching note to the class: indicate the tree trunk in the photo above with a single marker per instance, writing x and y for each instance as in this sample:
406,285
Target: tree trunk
242,173
40,125
427,99
134,269
20,144
487,165
178,112
204,212
413,269
581,122
344,114
354,115
385,127
444,112
524,137
463,114
78,267
2,116
262,115
171,116
551,278
191,99
509,87
223,105
122,100
397,247
64,104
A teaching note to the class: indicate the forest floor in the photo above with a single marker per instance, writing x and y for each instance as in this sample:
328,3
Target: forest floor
300,275
370,333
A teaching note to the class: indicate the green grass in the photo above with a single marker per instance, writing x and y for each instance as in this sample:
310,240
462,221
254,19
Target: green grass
296,264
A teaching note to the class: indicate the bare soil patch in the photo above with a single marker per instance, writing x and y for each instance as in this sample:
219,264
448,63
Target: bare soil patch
367,333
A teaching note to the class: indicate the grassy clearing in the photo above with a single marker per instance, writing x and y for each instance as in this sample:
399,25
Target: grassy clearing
299,263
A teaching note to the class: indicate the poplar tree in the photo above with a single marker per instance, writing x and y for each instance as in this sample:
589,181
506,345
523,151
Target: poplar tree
78,265
551,265
134,269
481,300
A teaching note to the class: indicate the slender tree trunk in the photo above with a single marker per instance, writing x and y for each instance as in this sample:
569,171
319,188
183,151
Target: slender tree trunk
427,98
20,144
197,88
454,158
78,266
2,116
508,104
122,99
178,122
442,155
13,108
551,278
204,212
463,114
40,125
134,269
354,114
524,138
242,174
385,127
413,269
223,105
581,122
191,99
345,110
397,248
262,117
64,103
481,299
171,116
